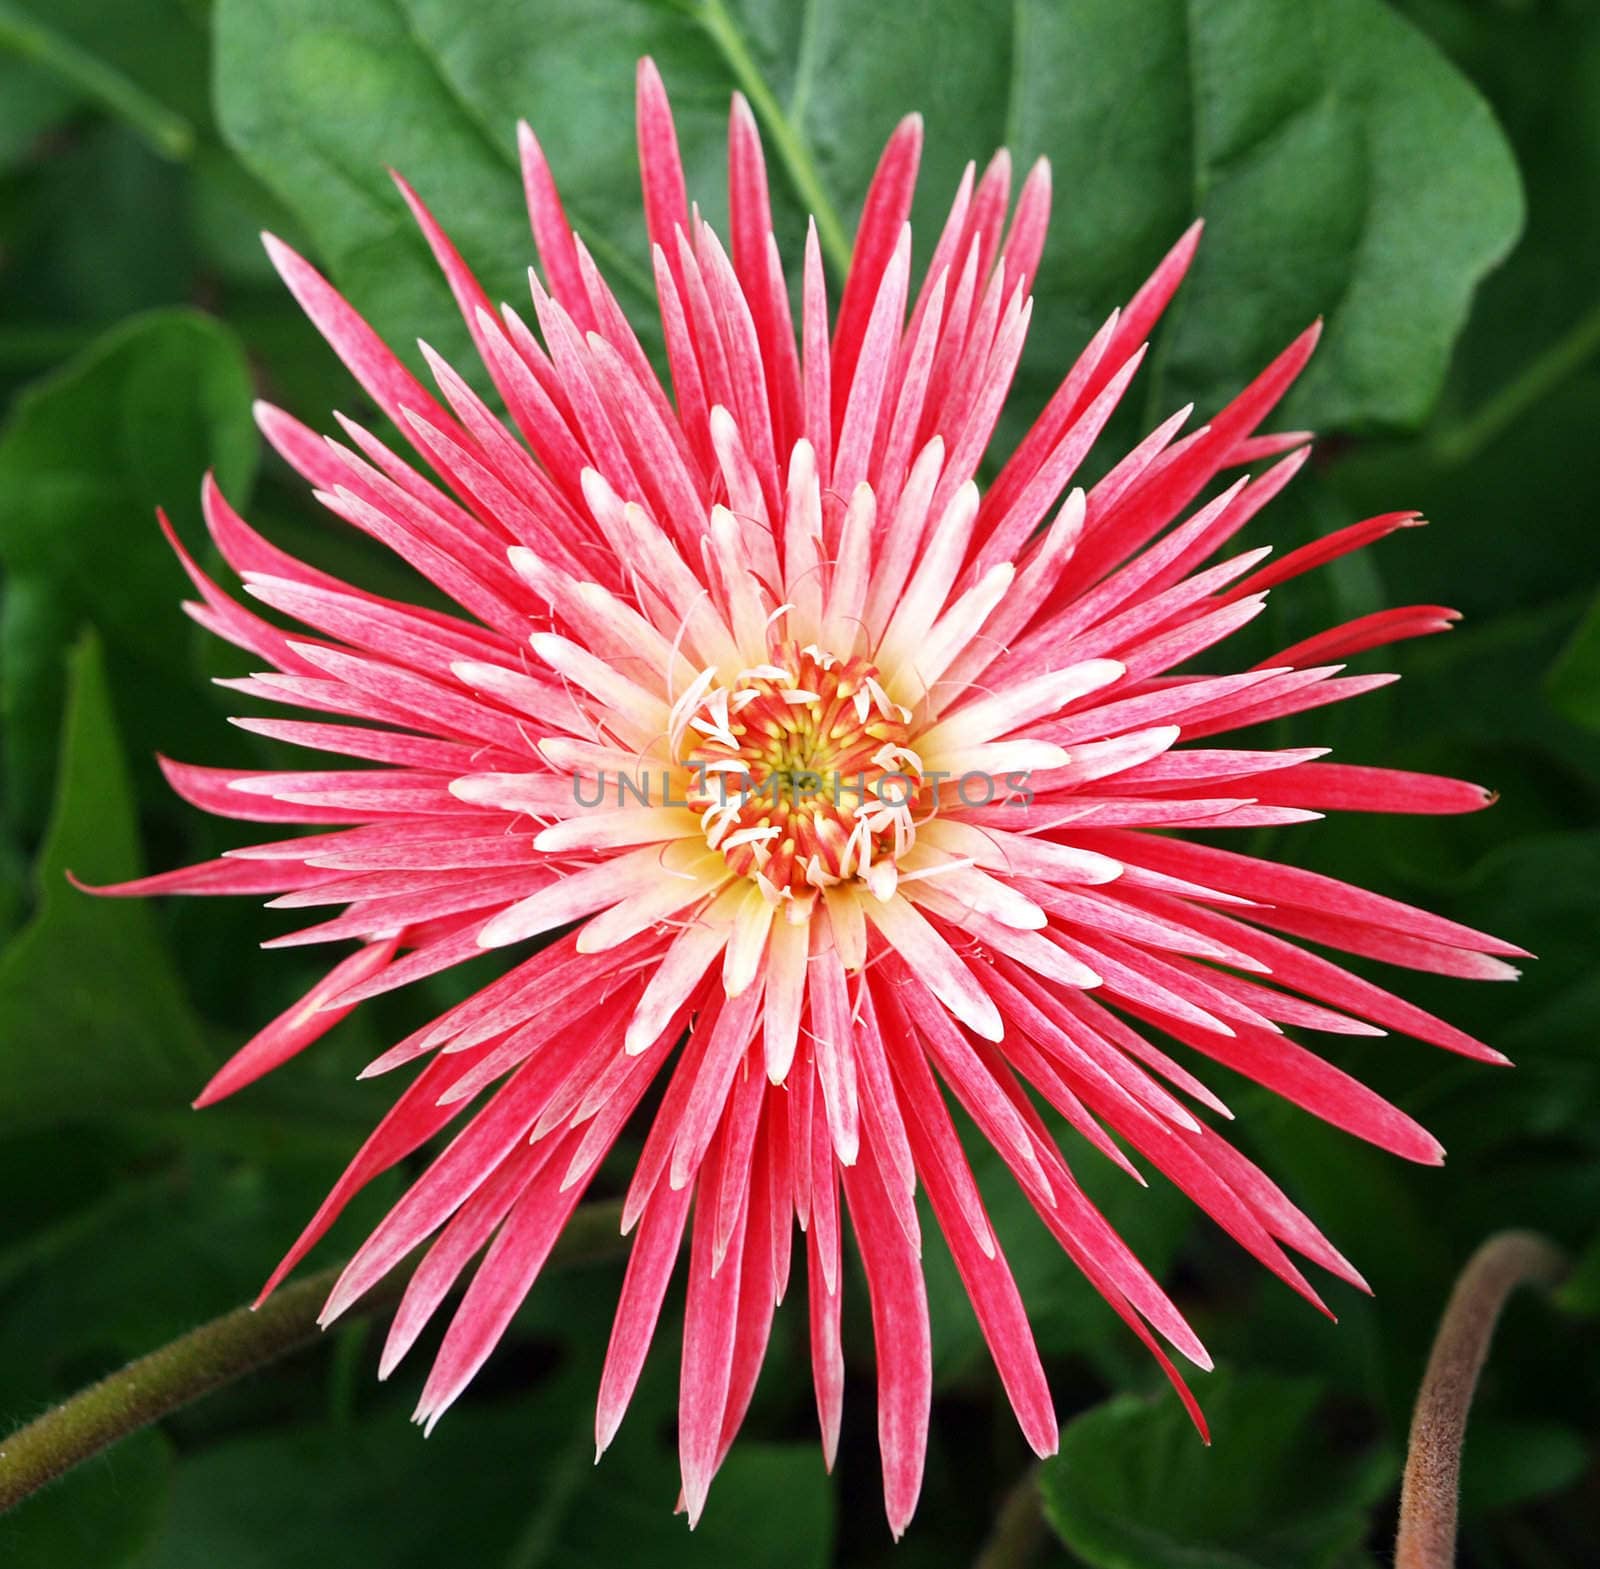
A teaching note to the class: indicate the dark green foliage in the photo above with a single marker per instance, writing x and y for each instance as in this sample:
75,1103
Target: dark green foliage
1354,159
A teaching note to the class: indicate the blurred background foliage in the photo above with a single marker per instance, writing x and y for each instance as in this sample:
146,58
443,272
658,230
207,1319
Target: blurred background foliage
1425,173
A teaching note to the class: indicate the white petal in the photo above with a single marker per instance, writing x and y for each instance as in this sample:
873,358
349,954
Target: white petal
571,898
937,965
748,944
1002,712
786,990
611,830
682,967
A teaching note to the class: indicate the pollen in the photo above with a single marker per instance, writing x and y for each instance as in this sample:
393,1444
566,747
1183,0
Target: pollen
802,773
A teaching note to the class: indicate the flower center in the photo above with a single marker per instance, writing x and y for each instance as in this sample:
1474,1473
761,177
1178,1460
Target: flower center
801,772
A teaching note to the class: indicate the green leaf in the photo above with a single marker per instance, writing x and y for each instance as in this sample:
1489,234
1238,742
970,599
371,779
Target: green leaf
36,627
85,459
32,103
1543,885
102,1514
1505,1463
99,230
1134,1487
91,452
771,1507
515,1486
1580,1292
1345,167
1067,1314
1574,679
92,1018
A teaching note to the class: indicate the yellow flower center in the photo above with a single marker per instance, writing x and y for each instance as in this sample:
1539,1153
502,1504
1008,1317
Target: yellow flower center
801,771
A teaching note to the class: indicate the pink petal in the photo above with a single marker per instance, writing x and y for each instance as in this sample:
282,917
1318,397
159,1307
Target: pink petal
666,204
504,1278
709,1329
901,1335
827,1356
883,214
650,1265
291,1032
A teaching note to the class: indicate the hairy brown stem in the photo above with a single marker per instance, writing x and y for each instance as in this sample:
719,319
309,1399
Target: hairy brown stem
1429,1490
210,1356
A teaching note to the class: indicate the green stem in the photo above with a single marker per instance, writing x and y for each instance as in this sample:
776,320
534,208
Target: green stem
1428,1491
1537,379
720,28
213,1355
168,134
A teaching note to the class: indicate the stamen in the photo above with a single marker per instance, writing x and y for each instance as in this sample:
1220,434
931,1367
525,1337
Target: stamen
829,789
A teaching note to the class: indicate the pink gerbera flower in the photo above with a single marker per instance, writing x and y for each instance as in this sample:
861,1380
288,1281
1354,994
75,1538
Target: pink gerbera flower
808,782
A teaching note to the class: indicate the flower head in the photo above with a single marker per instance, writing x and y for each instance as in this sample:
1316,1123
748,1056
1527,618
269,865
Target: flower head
808,782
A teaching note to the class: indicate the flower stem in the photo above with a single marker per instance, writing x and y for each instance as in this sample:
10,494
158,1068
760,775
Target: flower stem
1428,1492
215,1354
720,27
169,134
1457,444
